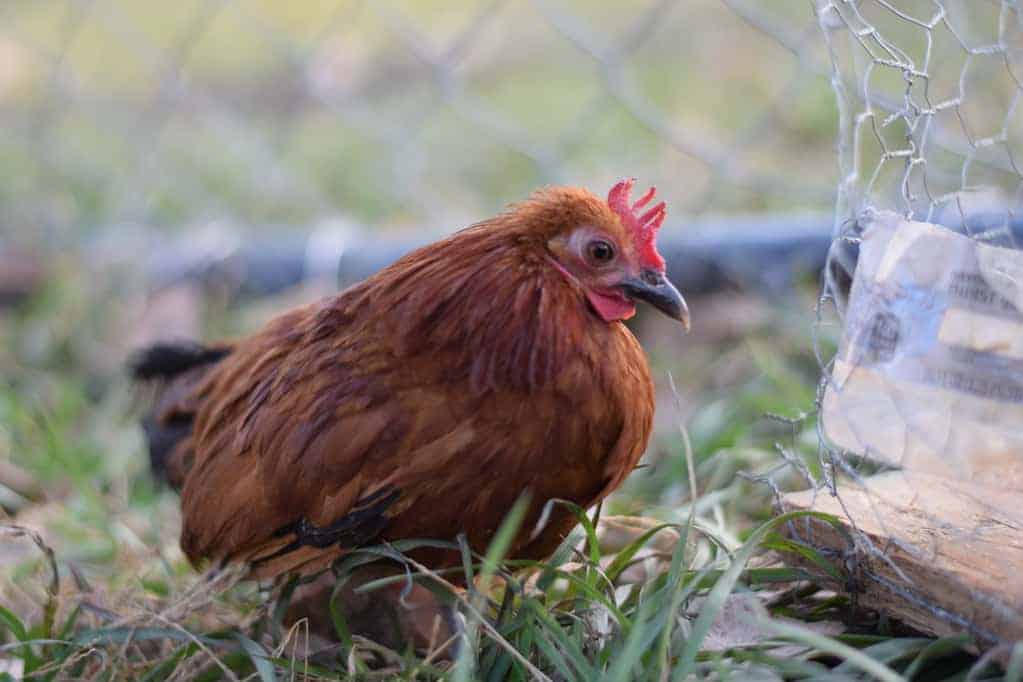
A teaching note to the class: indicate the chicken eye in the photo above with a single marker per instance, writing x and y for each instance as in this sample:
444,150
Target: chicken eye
600,251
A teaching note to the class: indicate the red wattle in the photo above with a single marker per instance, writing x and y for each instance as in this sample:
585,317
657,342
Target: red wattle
611,307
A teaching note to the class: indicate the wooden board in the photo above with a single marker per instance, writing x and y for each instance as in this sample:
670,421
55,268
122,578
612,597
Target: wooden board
942,555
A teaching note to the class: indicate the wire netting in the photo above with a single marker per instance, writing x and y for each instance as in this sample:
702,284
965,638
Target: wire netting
926,378
928,96
400,114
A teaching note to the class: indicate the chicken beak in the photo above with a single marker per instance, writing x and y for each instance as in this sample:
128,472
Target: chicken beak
654,288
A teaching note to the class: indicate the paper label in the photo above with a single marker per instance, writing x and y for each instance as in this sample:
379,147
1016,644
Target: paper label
929,374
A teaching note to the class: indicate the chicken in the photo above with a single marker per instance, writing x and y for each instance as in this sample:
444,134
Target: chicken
425,400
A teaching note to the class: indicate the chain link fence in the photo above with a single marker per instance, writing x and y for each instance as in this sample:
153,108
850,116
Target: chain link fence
401,114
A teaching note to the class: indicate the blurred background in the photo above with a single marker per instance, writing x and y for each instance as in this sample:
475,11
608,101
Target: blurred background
401,115
188,169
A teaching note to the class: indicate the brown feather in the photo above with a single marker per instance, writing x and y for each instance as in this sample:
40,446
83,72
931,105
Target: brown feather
463,375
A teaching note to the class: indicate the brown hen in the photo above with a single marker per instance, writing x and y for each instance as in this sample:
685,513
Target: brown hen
425,400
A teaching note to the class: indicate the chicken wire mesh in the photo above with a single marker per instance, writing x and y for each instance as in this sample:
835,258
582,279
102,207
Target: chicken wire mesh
919,408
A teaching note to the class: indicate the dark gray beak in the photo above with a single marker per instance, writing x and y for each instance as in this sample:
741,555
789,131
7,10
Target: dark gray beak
654,288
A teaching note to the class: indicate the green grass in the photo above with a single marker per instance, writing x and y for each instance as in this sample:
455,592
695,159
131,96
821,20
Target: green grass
660,603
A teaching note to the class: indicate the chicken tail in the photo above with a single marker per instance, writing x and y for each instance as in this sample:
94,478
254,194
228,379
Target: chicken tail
174,368
168,360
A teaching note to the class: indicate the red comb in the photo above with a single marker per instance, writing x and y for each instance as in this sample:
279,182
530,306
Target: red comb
644,227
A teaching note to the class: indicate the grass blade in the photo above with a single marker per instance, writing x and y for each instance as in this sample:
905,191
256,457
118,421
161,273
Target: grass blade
853,657
724,586
465,666
260,658
935,649
1014,670
635,645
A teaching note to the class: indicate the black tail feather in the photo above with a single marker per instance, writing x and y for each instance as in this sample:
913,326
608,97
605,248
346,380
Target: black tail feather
168,360
167,424
162,439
